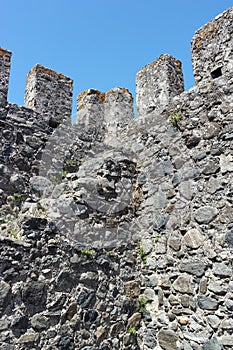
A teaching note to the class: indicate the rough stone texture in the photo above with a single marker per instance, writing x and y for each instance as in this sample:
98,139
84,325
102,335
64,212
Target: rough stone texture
90,110
167,340
118,109
49,93
205,215
193,238
157,83
5,62
5,290
119,245
105,113
212,48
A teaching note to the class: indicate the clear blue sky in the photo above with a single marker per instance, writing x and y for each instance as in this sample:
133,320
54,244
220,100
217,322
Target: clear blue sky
99,43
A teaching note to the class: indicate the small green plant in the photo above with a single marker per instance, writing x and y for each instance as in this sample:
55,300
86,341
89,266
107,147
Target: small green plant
142,303
16,196
132,330
64,173
156,238
69,162
175,117
86,252
14,233
142,253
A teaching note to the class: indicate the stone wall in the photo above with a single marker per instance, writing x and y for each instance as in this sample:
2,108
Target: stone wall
106,112
118,233
212,48
5,59
49,93
157,83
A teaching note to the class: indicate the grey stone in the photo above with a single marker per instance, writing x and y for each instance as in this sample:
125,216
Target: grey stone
40,322
167,339
229,304
198,337
222,270
211,168
34,295
216,287
142,178
229,238
226,163
205,215
160,223
195,267
5,293
149,338
176,180
160,200
29,338
214,321
185,189
226,340
19,325
207,303
146,245
212,344
183,284
193,238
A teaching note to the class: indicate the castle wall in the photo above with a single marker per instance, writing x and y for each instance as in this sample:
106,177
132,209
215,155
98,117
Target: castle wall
212,54
107,112
49,93
118,110
5,63
157,83
90,111
132,247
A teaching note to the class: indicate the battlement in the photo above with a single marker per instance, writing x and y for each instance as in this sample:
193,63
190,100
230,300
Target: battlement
140,207
5,63
212,54
109,110
157,83
49,93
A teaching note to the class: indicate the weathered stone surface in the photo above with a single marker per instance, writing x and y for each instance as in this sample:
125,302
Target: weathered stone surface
207,303
39,322
212,40
34,296
212,344
193,238
132,289
226,163
160,222
195,267
214,321
167,340
134,320
28,339
136,226
229,238
49,93
183,284
150,338
149,96
5,291
216,287
221,269
205,215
